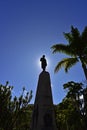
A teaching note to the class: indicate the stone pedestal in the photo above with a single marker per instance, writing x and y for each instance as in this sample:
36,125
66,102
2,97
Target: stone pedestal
43,114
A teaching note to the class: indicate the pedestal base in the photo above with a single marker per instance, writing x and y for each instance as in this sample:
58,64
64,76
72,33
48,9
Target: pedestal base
43,114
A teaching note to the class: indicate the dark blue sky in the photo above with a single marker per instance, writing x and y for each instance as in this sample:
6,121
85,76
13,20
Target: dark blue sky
28,28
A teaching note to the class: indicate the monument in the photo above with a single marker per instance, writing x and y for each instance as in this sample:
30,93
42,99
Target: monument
43,114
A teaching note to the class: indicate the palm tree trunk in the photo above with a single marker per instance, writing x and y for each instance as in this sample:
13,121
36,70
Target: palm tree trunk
84,69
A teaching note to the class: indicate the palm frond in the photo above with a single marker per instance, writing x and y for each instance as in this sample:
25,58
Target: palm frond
84,59
76,37
75,32
63,49
68,37
84,36
71,62
67,63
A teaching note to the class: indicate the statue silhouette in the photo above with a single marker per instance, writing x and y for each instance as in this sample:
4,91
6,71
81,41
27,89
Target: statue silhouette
43,62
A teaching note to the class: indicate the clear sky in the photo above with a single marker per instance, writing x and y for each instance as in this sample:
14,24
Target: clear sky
28,28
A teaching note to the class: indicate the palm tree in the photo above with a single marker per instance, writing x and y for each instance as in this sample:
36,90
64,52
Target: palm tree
76,49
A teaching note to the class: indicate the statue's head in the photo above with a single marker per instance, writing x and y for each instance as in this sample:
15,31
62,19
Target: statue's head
43,56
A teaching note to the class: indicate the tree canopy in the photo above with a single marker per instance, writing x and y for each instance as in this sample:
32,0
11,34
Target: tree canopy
76,49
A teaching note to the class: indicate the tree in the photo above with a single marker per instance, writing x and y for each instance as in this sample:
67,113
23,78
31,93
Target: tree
68,112
67,117
76,49
85,106
13,109
74,91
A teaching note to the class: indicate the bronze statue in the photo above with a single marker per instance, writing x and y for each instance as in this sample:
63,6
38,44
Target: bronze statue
43,62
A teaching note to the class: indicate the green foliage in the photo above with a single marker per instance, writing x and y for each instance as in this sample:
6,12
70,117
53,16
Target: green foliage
13,111
67,63
76,49
73,89
70,113
16,112
67,116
